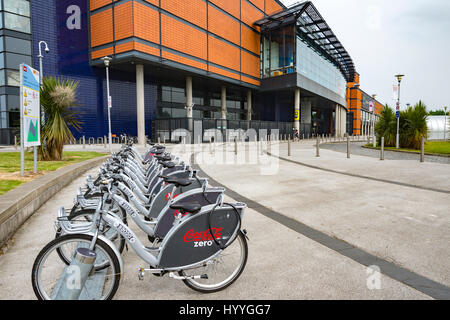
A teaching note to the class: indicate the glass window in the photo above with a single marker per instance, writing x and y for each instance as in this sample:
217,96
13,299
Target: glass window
17,45
215,103
178,95
2,78
318,69
12,78
2,60
2,103
166,94
171,94
13,103
178,113
21,7
3,120
14,60
17,23
14,119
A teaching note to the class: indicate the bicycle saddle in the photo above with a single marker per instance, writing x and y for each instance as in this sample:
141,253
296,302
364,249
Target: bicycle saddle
163,158
191,207
157,151
168,164
178,181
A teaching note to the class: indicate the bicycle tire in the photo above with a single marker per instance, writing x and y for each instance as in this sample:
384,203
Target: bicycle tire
195,285
100,244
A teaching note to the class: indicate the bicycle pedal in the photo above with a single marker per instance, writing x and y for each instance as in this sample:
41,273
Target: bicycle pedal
141,274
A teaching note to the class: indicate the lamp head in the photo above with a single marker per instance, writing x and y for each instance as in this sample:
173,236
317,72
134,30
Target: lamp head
106,61
399,77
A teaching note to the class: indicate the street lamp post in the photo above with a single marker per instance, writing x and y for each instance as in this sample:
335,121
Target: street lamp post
397,139
373,121
41,70
106,61
445,124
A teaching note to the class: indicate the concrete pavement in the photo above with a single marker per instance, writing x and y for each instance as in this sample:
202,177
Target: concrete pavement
399,224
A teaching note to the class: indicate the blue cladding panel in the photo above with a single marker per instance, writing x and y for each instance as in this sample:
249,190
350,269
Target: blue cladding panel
55,21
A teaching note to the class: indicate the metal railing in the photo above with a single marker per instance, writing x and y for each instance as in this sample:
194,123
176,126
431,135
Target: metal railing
163,128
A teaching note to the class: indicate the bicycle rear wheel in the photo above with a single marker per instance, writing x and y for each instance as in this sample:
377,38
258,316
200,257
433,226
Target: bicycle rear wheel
222,270
48,269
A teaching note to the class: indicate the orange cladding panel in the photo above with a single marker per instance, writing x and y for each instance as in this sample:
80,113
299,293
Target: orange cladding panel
154,2
101,28
102,53
146,49
95,4
250,39
123,23
124,47
258,3
250,14
272,7
223,54
193,11
230,6
250,64
222,25
250,80
179,36
146,23
184,60
224,72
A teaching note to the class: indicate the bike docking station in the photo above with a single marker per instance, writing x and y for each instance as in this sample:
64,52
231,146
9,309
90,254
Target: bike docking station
73,285
192,232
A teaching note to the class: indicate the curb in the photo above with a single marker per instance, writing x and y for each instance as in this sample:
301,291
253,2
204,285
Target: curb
410,152
17,205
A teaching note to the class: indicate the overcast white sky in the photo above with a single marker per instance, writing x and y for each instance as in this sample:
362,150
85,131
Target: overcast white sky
387,37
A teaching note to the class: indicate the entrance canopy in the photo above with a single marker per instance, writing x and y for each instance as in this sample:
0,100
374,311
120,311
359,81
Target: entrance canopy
313,29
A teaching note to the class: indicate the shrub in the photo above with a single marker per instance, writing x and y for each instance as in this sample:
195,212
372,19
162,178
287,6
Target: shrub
58,97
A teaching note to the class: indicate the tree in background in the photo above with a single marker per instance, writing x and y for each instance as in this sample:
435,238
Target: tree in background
387,126
58,97
413,126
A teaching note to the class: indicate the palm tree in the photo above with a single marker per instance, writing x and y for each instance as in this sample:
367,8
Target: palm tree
387,126
413,126
58,96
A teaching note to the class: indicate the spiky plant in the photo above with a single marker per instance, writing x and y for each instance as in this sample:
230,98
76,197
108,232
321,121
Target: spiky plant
413,126
58,97
387,126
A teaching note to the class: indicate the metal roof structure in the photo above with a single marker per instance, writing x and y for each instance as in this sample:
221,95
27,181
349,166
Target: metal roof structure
313,29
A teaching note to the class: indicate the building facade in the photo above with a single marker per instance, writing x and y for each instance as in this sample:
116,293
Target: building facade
230,63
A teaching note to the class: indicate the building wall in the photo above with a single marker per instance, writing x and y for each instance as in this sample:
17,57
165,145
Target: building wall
357,102
57,22
216,37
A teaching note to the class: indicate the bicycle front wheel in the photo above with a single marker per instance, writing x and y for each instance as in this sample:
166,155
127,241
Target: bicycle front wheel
48,269
222,270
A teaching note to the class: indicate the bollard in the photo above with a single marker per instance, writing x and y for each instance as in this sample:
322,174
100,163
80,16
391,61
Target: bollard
159,140
422,150
348,147
15,142
104,140
210,145
76,274
289,147
235,146
84,142
317,147
382,149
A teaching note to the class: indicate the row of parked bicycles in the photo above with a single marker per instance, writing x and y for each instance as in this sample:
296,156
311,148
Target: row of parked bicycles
192,234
